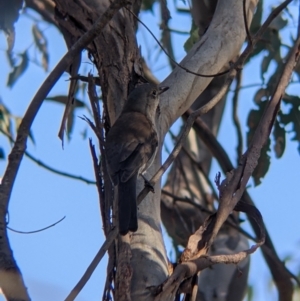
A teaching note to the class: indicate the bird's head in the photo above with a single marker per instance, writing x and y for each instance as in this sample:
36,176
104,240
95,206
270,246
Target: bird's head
144,99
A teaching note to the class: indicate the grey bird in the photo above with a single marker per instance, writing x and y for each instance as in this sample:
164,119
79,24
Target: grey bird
130,148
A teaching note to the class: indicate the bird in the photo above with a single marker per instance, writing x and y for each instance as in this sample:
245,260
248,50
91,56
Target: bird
130,148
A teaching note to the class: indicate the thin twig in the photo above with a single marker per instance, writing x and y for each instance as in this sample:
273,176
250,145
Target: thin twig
186,200
99,181
199,166
252,86
235,116
166,35
179,31
110,273
94,103
36,231
48,167
185,179
85,79
58,172
246,22
182,173
105,210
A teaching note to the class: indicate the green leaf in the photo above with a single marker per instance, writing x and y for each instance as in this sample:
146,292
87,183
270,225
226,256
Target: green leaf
261,95
264,160
147,5
278,23
265,63
270,42
291,99
18,70
292,116
296,127
253,120
263,164
41,43
70,123
63,99
193,38
249,293
84,133
5,122
271,37
256,21
280,140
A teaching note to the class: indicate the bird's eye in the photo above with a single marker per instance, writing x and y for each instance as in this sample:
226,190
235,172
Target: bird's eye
154,93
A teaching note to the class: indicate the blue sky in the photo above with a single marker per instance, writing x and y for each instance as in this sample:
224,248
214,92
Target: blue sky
53,261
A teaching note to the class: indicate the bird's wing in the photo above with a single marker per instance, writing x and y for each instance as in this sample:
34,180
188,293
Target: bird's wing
129,147
123,158
132,161
138,157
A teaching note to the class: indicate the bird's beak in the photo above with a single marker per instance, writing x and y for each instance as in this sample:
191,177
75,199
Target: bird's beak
162,90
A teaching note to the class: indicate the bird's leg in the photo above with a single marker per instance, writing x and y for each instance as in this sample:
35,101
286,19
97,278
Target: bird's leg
147,183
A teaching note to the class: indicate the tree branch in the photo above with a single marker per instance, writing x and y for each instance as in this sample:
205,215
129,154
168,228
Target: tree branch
36,231
190,268
235,117
208,56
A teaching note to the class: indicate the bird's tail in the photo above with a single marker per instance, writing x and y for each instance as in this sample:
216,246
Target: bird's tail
127,206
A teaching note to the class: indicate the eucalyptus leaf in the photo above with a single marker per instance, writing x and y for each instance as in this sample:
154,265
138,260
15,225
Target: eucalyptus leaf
18,70
264,160
192,39
280,140
41,43
63,99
